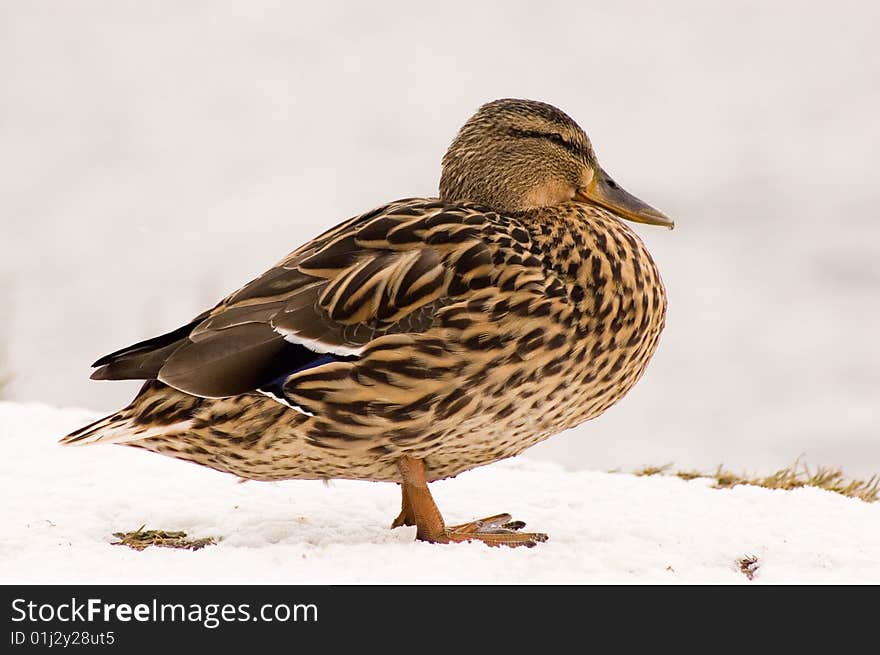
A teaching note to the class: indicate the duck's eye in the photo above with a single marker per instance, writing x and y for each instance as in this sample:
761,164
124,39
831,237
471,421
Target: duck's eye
557,138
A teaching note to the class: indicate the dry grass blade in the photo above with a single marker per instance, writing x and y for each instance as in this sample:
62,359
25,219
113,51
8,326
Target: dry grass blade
140,539
793,477
5,375
653,470
4,383
799,475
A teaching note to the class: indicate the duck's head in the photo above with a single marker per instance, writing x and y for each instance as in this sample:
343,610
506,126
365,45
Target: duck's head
517,155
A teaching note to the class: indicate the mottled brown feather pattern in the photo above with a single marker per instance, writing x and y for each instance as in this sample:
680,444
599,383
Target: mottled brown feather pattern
483,334
423,338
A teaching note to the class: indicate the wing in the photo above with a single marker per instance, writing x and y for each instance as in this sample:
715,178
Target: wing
386,272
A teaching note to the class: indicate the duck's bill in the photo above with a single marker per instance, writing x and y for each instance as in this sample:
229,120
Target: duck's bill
605,192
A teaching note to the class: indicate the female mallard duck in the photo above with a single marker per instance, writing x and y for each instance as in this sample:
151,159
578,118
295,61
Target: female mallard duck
421,339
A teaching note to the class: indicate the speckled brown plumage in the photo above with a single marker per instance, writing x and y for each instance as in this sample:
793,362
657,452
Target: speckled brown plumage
446,332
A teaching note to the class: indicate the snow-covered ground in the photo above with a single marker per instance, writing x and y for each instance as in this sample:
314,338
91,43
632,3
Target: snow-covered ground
61,506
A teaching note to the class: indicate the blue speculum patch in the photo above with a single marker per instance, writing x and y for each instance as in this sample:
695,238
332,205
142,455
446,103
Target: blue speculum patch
275,387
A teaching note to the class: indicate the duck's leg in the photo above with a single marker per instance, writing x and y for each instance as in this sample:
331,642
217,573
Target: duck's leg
406,516
419,508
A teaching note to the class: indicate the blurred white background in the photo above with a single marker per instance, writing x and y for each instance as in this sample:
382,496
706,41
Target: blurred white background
155,156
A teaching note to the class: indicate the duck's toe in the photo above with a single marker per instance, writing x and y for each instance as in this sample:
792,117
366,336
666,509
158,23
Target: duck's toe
498,530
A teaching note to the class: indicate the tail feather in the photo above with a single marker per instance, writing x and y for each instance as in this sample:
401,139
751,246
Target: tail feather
119,428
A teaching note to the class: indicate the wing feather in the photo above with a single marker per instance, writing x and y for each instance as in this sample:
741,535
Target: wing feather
389,271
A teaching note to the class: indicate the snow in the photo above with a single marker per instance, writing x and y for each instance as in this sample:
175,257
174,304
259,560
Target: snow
61,506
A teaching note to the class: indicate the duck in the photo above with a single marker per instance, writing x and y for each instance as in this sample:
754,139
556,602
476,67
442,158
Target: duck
421,339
